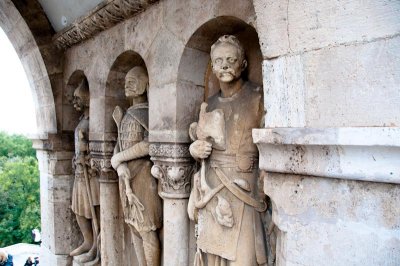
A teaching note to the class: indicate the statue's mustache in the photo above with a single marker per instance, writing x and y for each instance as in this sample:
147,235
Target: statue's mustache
226,71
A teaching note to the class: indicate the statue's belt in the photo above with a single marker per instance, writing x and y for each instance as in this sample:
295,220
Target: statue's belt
245,163
260,206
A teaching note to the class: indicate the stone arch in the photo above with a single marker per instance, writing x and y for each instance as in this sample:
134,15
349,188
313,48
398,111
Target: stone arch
194,72
114,91
28,51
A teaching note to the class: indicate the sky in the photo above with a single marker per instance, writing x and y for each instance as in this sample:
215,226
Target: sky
17,112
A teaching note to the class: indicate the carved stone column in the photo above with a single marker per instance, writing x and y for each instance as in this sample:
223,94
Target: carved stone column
173,167
59,230
111,232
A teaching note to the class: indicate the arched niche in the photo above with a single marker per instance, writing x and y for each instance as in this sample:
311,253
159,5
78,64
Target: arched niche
70,115
115,92
196,82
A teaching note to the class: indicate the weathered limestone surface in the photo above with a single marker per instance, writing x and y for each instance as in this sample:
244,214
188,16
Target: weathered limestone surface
335,87
369,154
333,217
284,91
296,26
325,221
348,82
325,64
331,65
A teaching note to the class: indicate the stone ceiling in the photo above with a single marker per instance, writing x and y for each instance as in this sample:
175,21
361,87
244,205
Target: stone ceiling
62,13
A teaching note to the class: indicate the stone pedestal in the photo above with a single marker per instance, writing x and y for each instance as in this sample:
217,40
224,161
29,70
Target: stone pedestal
173,168
335,194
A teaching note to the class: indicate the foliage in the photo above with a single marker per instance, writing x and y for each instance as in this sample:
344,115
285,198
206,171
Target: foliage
15,145
19,190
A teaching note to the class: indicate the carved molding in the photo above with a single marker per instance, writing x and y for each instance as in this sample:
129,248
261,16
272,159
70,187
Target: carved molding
351,153
103,17
101,147
54,142
100,159
171,150
173,167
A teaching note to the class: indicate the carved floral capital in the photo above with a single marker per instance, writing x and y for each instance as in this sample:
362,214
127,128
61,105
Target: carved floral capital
173,167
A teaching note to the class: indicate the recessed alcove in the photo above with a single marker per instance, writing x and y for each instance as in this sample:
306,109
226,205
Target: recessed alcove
70,115
115,93
196,81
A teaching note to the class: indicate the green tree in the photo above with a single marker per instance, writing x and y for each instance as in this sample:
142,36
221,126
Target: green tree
15,145
19,190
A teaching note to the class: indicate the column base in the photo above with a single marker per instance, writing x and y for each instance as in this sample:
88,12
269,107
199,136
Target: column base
48,258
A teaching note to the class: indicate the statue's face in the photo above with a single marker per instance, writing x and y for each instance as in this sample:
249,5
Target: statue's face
78,101
227,65
135,85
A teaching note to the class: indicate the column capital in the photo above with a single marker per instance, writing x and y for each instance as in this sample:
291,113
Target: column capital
173,167
53,142
100,159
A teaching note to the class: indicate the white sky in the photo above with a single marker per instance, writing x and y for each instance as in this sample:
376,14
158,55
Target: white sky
17,112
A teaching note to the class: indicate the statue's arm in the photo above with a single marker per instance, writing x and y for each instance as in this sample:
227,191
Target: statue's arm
138,150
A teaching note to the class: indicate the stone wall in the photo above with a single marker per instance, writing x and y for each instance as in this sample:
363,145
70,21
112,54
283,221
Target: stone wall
331,78
328,65
330,146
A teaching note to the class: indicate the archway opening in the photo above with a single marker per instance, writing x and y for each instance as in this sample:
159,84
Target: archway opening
16,102
20,215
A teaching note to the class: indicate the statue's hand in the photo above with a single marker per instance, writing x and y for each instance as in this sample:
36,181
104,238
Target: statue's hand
200,149
123,171
131,197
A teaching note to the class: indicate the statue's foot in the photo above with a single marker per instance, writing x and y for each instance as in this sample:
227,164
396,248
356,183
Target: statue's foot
89,256
94,262
85,247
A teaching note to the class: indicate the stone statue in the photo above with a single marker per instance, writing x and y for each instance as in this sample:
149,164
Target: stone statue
141,204
226,199
85,193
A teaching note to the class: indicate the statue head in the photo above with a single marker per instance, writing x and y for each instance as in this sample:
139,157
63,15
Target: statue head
228,58
136,82
81,96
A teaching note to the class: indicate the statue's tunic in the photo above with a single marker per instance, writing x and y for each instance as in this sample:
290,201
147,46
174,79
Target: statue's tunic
134,129
80,200
228,227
